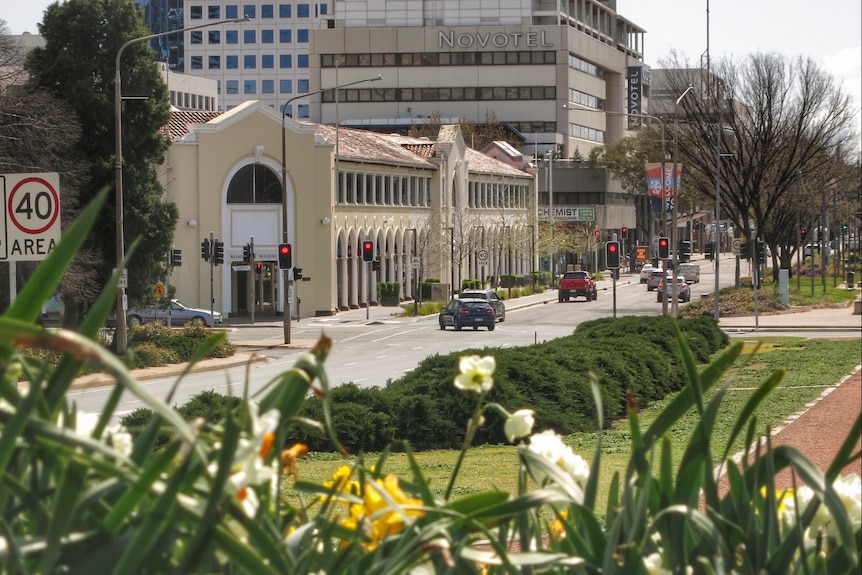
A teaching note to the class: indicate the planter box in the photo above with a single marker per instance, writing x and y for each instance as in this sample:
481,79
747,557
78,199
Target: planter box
390,301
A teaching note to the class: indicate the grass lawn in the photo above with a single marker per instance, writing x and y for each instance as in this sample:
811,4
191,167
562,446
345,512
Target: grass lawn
811,366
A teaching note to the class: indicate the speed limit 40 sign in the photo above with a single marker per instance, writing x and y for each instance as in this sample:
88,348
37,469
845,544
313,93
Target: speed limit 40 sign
31,226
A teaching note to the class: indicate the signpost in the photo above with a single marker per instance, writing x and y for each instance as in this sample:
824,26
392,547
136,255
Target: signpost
31,223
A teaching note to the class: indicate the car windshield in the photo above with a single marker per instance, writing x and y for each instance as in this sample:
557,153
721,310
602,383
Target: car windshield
476,294
474,305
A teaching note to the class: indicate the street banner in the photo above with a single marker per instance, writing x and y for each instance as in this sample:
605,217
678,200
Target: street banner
656,184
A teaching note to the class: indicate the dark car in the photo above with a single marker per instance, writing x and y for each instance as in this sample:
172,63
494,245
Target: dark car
492,298
464,312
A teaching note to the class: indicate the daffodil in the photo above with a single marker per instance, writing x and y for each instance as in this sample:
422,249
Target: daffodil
550,445
384,511
519,424
476,373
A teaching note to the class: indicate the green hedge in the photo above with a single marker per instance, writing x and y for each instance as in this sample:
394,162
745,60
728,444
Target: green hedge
636,354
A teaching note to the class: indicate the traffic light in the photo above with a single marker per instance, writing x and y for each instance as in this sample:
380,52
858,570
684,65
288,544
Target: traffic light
624,232
375,265
663,248
367,251
258,267
218,252
598,233
745,251
845,227
802,233
612,254
205,249
247,254
176,258
707,250
761,251
285,256
297,274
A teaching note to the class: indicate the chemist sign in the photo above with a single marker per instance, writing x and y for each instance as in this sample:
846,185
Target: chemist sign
31,226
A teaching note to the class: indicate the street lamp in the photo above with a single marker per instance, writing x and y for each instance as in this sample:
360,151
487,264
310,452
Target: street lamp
415,274
120,336
285,273
674,242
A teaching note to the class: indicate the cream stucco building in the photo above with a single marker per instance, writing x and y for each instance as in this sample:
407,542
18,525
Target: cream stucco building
434,209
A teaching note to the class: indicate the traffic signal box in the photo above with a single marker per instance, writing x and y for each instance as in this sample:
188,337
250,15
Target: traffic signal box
612,254
218,252
624,232
205,249
367,251
285,256
745,251
663,248
176,258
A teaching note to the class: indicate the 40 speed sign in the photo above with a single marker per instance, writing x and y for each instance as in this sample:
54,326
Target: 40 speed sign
31,226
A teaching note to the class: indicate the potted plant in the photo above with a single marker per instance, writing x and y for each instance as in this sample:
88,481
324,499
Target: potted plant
388,293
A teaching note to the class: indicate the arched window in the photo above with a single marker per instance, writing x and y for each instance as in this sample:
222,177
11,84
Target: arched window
254,184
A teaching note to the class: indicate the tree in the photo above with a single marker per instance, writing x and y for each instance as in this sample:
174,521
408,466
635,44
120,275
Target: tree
39,133
771,118
77,66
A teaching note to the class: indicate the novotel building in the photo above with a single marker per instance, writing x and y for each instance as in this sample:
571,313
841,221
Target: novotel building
548,69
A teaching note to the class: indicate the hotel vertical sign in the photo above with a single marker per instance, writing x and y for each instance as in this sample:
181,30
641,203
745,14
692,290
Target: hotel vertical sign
635,95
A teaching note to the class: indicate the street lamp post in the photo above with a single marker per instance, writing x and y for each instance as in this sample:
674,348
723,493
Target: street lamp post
285,273
120,335
674,242
415,272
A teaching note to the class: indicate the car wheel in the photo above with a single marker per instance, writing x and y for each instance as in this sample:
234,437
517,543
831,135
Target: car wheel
442,325
491,327
457,326
198,320
595,295
503,317
133,321
475,328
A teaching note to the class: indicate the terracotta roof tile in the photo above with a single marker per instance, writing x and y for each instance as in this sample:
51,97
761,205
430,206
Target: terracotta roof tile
178,125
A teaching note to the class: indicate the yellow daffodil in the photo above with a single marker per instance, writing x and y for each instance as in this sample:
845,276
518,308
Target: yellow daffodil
384,511
476,373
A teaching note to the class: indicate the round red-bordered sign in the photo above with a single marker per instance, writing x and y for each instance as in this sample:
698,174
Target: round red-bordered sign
51,211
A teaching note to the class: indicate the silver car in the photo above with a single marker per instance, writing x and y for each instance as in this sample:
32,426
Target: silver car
683,290
492,298
179,314
655,277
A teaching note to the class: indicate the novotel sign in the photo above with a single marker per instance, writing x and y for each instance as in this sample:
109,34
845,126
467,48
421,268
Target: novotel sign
451,39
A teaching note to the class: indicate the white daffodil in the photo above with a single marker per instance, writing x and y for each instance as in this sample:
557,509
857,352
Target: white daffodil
519,424
551,446
476,373
653,564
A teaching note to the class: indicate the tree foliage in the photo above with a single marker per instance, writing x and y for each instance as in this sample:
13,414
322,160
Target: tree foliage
39,134
787,130
77,65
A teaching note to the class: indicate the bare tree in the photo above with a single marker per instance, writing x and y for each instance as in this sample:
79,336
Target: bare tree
750,129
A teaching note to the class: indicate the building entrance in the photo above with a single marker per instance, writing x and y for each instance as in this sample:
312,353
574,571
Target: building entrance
255,285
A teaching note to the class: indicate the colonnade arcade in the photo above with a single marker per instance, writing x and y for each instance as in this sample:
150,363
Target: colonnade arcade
480,252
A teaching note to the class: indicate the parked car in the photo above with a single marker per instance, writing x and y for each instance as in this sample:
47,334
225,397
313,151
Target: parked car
180,314
655,277
492,298
646,270
464,312
683,290
814,250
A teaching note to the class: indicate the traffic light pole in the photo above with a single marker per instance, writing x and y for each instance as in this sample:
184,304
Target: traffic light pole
212,258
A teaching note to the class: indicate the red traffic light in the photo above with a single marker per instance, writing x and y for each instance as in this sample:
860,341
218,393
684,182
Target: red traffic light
612,248
285,256
598,233
367,251
624,231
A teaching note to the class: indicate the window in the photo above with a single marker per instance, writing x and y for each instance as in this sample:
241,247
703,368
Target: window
323,9
214,62
249,61
284,36
196,37
254,184
231,36
302,35
231,11
285,86
214,37
232,62
267,61
249,36
249,87
214,12
196,12
285,61
267,36
266,11
302,11
284,11
302,111
249,10
267,86
302,86
197,62
302,61
232,86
